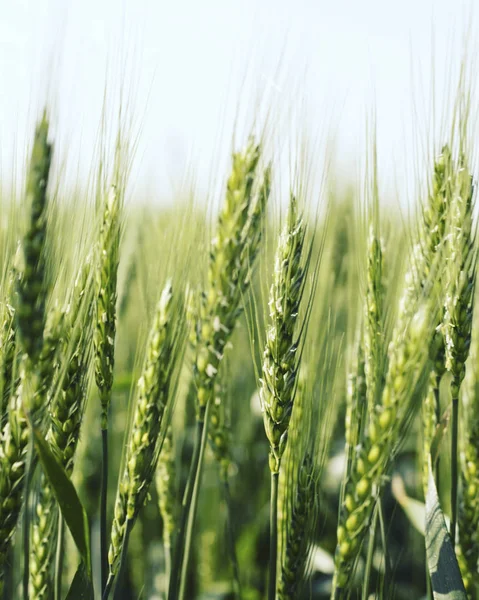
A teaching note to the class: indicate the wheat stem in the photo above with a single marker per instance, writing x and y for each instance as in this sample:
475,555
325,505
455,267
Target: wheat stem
273,536
31,463
231,539
179,550
109,584
382,530
166,489
193,503
168,558
59,558
123,558
103,507
370,554
454,467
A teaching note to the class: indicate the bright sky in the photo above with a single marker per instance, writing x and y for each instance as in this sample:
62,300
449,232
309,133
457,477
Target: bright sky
186,64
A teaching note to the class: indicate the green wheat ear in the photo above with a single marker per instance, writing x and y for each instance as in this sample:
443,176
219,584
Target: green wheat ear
459,301
68,397
374,322
8,350
281,355
106,274
433,237
30,320
219,429
153,403
458,314
356,396
232,254
30,313
297,501
408,363
297,543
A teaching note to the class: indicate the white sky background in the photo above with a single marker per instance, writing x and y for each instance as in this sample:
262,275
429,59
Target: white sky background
187,64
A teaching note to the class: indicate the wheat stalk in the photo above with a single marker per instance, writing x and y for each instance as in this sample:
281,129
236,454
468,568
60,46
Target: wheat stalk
166,487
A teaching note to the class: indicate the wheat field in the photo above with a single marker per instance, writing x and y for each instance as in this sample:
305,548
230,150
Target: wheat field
277,399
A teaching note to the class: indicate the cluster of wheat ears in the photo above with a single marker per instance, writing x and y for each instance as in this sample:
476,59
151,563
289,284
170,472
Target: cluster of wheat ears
403,354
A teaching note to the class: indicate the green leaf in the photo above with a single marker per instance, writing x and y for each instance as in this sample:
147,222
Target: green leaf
81,587
72,509
445,575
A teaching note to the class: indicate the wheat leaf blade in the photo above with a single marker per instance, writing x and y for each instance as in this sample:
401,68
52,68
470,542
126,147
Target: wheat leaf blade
71,507
444,570
81,587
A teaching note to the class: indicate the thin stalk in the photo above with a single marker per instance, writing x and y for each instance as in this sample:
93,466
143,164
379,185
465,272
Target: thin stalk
382,529
179,552
273,537
108,586
454,460
26,518
231,540
167,566
59,558
191,515
124,553
428,585
369,558
438,420
103,509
